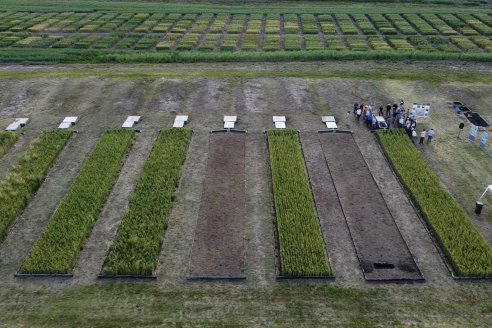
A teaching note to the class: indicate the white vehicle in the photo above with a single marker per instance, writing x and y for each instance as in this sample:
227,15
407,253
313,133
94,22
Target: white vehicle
381,123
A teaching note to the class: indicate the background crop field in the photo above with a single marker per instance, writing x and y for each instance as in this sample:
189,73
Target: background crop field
78,31
103,95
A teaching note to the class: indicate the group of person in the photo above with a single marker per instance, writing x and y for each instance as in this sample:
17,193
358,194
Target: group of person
392,115
395,115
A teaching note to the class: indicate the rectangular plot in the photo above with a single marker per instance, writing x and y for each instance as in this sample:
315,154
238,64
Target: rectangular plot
219,24
401,24
291,25
271,42
309,25
327,24
346,25
301,245
7,140
292,42
379,43
418,42
147,42
166,23
464,43
26,177
439,24
254,26
421,25
57,248
442,44
484,42
210,42
313,42
465,248
139,240
475,24
357,43
188,42
335,43
364,24
107,41
229,42
236,25
400,43
382,252
169,41
250,42
219,246
382,24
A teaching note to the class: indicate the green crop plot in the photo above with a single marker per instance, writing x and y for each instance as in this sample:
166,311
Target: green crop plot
463,245
302,248
7,140
390,32
26,177
56,250
140,235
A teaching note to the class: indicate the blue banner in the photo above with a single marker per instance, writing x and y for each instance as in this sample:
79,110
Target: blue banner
473,133
483,142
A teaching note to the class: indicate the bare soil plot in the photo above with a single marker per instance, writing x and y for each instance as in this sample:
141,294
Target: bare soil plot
343,258
218,248
382,252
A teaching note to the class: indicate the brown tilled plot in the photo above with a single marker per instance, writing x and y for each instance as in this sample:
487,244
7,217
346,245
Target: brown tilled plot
218,248
382,252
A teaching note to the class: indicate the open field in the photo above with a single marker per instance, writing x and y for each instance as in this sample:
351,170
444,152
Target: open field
77,31
104,95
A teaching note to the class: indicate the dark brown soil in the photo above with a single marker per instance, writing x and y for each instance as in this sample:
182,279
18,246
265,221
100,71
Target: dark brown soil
341,252
219,246
382,252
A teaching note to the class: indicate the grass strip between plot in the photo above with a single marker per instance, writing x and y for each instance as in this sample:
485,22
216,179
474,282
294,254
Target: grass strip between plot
7,140
467,251
56,250
139,240
302,248
26,177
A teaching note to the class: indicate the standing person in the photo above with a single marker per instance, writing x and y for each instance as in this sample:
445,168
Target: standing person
422,137
356,105
430,134
381,110
388,110
358,112
414,135
401,122
401,102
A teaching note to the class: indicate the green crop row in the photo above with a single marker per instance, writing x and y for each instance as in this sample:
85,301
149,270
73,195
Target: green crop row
302,248
139,240
463,245
7,140
26,177
56,250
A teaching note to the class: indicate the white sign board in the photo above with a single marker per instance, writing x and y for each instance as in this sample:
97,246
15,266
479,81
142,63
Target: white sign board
483,142
420,110
473,133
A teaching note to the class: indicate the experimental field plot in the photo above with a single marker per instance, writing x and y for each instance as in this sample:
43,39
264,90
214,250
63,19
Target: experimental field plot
381,249
219,246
